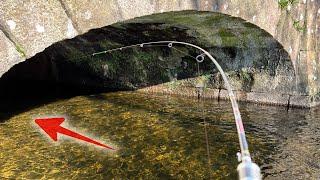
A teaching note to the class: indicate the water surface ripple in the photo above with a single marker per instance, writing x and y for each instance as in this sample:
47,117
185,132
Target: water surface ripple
160,137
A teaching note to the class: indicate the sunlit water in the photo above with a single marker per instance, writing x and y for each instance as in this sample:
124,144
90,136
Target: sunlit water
159,137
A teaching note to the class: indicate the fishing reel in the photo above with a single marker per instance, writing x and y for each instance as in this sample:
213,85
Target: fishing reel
247,169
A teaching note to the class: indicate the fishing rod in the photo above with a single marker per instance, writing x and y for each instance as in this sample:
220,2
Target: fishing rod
247,169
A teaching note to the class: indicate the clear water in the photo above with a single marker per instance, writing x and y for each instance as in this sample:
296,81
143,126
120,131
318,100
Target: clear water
159,137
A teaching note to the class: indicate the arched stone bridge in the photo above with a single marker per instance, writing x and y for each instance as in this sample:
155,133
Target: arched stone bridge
29,26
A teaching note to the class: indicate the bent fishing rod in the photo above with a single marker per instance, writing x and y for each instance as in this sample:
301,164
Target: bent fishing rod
247,169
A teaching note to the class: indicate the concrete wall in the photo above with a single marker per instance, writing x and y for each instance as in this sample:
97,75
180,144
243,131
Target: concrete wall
29,26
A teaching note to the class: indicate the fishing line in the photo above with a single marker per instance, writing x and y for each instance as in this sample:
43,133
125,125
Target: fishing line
246,169
206,135
201,103
185,53
238,120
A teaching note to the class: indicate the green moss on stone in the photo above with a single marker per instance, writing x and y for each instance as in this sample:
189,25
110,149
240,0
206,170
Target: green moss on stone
20,50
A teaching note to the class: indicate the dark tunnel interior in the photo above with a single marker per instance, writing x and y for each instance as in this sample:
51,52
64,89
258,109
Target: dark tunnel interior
67,68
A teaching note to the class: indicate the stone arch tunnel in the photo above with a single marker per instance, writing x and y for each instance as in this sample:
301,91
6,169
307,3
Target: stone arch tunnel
32,33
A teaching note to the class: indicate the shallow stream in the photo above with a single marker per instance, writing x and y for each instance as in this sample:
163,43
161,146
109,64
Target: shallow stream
159,137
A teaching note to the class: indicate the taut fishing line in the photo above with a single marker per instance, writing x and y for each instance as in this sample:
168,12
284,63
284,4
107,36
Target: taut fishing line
246,169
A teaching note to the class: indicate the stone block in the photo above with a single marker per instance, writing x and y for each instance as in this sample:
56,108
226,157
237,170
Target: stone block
90,14
9,55
240,95
268,98
211,93
35,24
300,101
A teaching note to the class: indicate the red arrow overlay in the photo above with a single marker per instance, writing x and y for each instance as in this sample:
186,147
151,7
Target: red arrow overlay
52,126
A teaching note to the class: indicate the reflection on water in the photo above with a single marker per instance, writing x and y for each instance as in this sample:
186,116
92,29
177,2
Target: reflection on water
160,137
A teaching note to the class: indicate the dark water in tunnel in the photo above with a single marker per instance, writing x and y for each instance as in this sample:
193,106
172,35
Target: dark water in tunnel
159,137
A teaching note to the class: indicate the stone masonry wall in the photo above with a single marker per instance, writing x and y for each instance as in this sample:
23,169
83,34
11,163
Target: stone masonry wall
27,27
